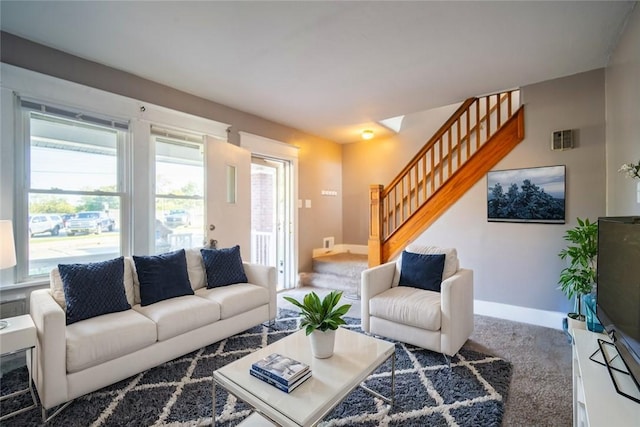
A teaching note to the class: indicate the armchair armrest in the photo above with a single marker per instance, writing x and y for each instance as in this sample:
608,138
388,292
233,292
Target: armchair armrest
265,276
457,310
50,364
374,281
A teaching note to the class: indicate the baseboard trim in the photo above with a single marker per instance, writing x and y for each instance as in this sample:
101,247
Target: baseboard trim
533,316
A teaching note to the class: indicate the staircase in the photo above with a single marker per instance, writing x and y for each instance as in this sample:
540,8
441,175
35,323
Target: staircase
339,271
472,141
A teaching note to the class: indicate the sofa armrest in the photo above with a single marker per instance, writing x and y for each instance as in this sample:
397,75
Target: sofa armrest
457,311
264,276
374,281
50,364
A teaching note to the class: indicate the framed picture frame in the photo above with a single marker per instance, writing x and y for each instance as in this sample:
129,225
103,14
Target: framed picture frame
527,195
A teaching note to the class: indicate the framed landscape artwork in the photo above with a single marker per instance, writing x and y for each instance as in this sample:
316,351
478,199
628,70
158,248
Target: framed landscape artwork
527,195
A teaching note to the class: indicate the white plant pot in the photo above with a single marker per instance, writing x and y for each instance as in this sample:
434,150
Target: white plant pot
322,343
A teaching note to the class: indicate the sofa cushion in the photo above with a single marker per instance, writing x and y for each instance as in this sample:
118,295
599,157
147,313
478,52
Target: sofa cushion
451,263
408,306
235,299
422,271
93,289
162,276
223,266
178,315
103,338
195,268
57,289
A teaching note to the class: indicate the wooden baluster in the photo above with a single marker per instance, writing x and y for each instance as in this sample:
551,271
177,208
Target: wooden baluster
401,201
499,112
487,116
415,170
432,173
424,178
395,208
449,154
409,191
477,123
509,107
467,134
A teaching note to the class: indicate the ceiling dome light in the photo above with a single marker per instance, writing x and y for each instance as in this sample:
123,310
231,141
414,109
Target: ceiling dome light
367,134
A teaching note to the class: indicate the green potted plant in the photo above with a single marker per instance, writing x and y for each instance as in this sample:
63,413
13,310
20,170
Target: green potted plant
578,278
320,319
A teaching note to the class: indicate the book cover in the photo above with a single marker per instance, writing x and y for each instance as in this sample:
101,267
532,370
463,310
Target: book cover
281,368
278,385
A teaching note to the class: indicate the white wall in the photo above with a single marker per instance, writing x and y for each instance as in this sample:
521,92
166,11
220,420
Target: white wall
623,119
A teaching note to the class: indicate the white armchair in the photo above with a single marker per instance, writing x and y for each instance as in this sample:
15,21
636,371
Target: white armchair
438,321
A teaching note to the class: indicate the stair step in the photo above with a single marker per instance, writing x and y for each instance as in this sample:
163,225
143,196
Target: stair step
348,285
341,264
340,271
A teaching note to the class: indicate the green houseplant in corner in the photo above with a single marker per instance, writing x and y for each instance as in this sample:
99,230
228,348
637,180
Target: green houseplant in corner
320,319
578,278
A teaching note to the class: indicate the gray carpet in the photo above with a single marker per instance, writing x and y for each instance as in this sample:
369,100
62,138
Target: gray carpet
541,386
178,393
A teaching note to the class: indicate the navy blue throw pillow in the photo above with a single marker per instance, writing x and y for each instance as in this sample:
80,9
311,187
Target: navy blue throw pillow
162,276
223,266
422,271
93,289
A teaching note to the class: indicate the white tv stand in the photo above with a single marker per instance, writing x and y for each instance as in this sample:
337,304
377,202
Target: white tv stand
595,400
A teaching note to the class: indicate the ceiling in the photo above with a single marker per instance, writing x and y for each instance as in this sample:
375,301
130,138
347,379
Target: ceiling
330,68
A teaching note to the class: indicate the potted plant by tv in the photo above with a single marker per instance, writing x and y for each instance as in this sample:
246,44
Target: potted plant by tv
320,319
578,278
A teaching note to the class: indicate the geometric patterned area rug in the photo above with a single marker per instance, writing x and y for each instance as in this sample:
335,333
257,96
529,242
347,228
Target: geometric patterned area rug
471,392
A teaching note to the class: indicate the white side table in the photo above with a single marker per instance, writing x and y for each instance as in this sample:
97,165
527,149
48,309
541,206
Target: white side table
19,335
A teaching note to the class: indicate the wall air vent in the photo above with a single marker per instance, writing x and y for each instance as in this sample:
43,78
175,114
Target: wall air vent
562,139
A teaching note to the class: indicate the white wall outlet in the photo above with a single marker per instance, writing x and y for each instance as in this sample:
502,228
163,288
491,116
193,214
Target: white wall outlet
328,242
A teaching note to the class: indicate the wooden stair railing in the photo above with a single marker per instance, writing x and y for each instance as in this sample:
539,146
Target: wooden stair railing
477,135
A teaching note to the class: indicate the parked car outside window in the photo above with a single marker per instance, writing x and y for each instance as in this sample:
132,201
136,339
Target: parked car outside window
45,223
90,222
177,217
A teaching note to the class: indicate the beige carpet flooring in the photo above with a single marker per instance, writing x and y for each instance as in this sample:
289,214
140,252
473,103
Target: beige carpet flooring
541,386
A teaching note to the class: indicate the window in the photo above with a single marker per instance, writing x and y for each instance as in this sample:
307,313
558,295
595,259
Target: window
179,181
73,186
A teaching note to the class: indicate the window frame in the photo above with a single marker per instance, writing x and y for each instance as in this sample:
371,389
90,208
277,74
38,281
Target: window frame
23,169
168,135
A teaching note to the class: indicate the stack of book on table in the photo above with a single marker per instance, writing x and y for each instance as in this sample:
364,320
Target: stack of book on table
281,372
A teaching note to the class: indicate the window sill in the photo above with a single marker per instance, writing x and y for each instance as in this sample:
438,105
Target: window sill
25,285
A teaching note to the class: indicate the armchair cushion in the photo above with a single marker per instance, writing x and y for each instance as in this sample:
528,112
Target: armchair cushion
408,306
422,271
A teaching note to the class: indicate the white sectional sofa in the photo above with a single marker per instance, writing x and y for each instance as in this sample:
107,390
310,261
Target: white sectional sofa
75,359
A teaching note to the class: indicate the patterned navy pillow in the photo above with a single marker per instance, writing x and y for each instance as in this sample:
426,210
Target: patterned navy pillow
93,289
223,266
162,276
422,271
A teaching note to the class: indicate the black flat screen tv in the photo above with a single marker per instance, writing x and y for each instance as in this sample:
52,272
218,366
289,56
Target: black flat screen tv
618,286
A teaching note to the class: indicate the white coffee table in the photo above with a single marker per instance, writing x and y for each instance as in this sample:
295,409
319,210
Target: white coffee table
356,356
